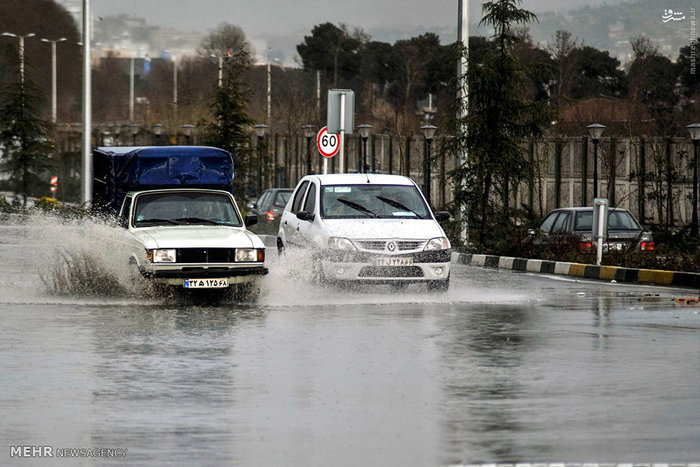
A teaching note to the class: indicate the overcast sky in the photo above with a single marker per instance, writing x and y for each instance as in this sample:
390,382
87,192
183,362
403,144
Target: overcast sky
276,22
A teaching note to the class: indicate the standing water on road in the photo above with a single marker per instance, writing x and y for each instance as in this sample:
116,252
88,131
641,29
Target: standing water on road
504,367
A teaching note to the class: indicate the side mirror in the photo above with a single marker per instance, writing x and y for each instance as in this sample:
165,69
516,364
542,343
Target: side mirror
442,216
251,219
305,216
531,232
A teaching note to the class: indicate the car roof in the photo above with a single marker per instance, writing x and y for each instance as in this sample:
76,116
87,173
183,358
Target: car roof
586,208
357,179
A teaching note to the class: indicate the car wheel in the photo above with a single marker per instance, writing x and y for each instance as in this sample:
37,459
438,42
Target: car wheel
247,291
317,275
439,286
280,247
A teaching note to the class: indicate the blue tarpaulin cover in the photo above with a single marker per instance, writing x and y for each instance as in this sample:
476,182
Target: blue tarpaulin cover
118,170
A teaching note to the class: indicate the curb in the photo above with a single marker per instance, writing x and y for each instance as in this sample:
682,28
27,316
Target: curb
586,271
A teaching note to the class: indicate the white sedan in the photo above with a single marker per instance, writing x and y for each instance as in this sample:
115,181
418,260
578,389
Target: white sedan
367,228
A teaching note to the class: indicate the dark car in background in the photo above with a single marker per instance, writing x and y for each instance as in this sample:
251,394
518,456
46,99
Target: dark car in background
624,232
268,208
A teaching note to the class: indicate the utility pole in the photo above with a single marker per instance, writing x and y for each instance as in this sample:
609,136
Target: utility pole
461,216
269,90
86,186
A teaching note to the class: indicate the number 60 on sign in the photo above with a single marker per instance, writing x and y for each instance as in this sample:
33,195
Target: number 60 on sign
328,144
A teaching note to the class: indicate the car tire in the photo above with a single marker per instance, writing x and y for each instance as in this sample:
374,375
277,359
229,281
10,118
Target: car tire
441,286
317,275
280,246
247,291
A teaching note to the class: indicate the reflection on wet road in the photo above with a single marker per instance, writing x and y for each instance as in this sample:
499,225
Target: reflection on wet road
506,367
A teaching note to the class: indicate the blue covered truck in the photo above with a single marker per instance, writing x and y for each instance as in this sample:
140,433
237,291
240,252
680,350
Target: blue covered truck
177,206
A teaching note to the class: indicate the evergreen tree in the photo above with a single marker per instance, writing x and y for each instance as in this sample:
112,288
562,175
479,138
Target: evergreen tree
499,123
24,139
231,128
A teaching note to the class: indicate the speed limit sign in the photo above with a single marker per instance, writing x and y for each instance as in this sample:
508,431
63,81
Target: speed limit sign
328,144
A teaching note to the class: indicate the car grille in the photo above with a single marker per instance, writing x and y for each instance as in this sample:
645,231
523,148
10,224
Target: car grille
391,271
380,245
372,245
206,255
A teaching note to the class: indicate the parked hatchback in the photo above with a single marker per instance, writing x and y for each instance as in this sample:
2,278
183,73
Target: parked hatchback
624,232
268,208
367,228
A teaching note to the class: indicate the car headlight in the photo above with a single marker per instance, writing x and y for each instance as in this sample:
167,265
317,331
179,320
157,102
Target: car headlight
246,255
439,243
340,243
163,255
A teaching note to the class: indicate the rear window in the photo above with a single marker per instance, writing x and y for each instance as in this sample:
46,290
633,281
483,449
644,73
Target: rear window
282,198
617,220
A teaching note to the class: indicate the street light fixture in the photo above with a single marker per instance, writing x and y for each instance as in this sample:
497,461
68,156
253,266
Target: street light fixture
596,131
694,131
158,130
187,131
21,52
364,131
308,134
428,133
53,75
134,132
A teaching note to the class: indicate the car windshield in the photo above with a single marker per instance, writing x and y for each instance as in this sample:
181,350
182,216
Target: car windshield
282,198
184,208
372,201
617,220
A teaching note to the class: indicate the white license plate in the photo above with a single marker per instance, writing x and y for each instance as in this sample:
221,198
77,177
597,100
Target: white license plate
407,261
613,246
206,283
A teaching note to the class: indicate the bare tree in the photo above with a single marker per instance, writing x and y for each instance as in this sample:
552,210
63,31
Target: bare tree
642,47
227,40
565,62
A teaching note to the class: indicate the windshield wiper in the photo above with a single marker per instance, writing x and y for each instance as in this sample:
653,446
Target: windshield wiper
398,205
195,220
357,207
157,221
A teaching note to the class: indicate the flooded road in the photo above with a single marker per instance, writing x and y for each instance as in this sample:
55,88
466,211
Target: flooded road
505,367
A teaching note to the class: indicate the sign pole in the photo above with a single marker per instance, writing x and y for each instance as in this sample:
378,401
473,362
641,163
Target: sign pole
342,134
325,165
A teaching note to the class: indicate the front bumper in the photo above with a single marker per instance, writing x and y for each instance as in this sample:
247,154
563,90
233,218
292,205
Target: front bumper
175,274
360,267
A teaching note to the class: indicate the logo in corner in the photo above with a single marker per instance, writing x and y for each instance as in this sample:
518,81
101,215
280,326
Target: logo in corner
670,15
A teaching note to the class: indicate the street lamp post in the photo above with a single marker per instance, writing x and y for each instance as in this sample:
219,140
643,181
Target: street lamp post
596,131
134,132
428,133
21,52
364,131
694,131
53,75
187,131
157,131
308,134
260,131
